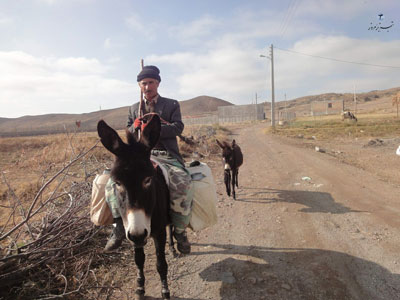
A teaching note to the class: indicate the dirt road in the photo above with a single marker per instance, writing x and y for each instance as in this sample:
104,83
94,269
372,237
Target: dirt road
304,226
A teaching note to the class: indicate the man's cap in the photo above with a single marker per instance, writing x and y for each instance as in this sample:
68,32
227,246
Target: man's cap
149,72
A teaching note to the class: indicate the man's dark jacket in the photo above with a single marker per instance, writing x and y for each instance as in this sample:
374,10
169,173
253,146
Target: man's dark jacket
170,111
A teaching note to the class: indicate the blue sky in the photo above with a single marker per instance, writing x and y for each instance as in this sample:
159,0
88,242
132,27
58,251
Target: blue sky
75,56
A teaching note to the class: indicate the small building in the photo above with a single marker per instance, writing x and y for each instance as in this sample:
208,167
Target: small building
326,107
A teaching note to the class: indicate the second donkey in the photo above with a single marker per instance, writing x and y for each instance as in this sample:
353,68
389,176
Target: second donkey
233,159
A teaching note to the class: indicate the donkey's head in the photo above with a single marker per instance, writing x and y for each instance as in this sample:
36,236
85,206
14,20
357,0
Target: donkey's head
227,153
133,174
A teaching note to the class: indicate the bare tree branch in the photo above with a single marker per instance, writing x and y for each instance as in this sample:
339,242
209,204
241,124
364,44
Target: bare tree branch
43,188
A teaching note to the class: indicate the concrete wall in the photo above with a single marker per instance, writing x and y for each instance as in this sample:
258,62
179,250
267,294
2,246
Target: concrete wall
240,113
202,120
229,114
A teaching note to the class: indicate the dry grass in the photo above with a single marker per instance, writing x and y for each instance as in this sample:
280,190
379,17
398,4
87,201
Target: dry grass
28,161
204,137
45,185
329,127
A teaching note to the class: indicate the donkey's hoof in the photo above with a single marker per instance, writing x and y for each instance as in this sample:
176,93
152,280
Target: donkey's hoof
172,250
166,295
139,297
139,294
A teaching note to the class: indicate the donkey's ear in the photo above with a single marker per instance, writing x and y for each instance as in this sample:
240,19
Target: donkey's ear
233,143
132,137
219,144
151,131
110,138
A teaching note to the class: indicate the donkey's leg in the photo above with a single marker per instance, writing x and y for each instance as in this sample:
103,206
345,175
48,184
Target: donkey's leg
162,266
237,177
139,261
227,180
233,184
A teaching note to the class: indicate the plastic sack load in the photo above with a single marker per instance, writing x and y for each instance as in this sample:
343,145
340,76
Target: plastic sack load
204,213
398,151
100,213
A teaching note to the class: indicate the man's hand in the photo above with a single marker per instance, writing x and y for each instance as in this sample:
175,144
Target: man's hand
137,124
140,123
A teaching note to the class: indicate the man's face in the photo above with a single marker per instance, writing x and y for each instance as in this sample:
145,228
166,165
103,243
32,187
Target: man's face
149,87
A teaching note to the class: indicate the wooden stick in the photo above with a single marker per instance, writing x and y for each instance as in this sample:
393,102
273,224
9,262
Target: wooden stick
141,95
140,113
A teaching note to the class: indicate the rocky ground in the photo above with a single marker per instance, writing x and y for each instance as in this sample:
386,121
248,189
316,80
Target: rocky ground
306,224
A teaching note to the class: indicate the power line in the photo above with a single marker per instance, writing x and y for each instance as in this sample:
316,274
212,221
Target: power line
294,4
339,60
286,17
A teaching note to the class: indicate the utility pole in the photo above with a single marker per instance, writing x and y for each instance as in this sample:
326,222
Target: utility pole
355,99
286,115
273,88
255,109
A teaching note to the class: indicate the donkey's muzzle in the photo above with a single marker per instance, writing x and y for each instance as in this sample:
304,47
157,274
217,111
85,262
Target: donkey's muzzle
138,240
138,227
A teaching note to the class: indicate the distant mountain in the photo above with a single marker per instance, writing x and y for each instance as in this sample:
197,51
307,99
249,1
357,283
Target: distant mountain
377,101
201,105
347,97
55,123
373,101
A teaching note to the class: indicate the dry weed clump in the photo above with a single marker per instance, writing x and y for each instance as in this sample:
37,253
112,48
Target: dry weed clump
203,144
28,161
47,242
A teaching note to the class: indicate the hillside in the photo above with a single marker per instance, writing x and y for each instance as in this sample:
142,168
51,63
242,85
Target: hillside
201,105
369,102
54,123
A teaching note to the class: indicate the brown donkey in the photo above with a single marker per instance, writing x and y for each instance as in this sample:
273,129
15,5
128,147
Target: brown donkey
142,195
233,159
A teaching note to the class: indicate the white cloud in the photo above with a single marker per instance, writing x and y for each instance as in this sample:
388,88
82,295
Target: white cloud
107,43
5,20
340,9
195,30
236,73
312,75
230,73
222,59
112,44
228,64
146,29
32,85
134,22
243,28
80,65
113,60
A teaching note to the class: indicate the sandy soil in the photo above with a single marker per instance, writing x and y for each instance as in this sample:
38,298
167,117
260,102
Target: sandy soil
305,225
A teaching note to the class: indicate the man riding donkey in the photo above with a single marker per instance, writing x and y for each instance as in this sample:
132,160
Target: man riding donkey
166,153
